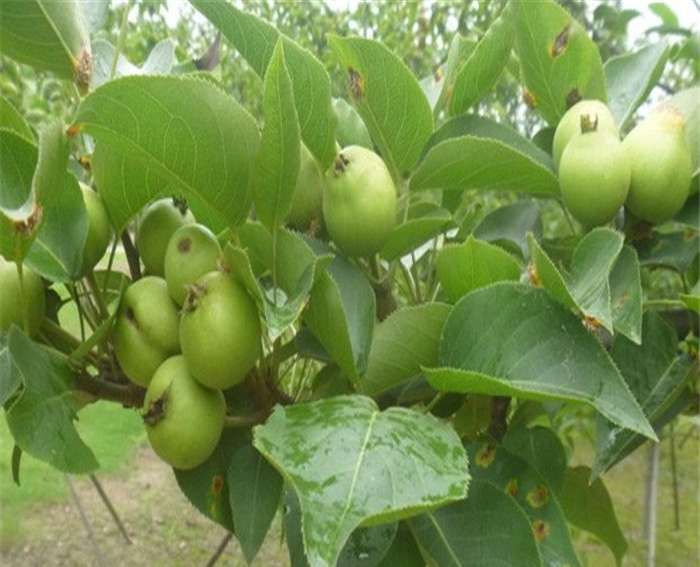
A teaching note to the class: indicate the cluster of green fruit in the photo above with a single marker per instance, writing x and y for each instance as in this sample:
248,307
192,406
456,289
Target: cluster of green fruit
185,331
649,171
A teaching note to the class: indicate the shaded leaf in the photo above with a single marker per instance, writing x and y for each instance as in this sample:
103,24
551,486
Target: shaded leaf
508,227
367,546
488,528
675,250
589,507
185,130
404,342
542,449
351,464
559,62
256,40
389,99
509,339
462,268
11,119
403,551
41,418
626,295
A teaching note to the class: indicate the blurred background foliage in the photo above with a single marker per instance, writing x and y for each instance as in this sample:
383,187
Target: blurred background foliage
419,32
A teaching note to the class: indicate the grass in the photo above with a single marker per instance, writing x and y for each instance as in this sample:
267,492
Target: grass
112,432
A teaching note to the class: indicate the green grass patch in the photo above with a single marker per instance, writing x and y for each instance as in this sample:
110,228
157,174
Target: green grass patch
111,431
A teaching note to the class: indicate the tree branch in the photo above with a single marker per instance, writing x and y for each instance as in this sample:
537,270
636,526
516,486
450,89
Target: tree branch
129,394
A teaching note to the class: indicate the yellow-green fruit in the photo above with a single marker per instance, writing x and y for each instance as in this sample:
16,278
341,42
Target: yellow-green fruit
359,202
99,233
659,156
156,225
183,419
12,301
594,176
307,199
570,124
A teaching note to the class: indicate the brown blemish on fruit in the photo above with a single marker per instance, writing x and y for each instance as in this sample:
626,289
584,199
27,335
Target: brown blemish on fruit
184,245
560,42
538,496
529,99
486,455
356,84
540,529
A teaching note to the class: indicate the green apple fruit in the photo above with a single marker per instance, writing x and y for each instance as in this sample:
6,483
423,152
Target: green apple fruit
146,329
307,199
661,163
99,233
570,124
359,202
183,419
17,301
192,251
220,331
156,224
594,176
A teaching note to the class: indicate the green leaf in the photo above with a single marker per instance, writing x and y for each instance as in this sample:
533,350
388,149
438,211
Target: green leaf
559,62
488,528
11,379
366,546
351,130
256,41
485,64
631,77
657,377
404,342
351,464
11,119
589,507
403,551
462,268
207,486
692,299
675,250
409,235
44,34
515,477
476,163
278,158
513,340
542,449
547,275
255,490
341,315
41,418
183,129
389,99
626,295
508,227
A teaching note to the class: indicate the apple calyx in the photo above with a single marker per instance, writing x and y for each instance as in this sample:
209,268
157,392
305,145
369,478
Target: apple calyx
340,164
589,123
156,409
195,293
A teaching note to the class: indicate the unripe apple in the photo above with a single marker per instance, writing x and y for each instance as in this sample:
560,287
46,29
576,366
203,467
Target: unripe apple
99,233
594,176
661,164
146,329
192,251
220,331
359,202
570,124
13,302
155,226
307,200
183,419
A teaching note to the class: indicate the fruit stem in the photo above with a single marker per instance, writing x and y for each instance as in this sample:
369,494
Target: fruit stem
242,421
129,394
132,256
589,123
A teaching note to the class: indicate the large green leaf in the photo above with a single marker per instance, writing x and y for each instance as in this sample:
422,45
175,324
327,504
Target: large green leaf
517,478
559,62
588,506
41,417
341,314
45,34
488,529
184,130
404,342
485,64
631,77
256,41
513,340
424,222
657,377
403,551
278,159
462,268
351,464
480,163
542,449
389,99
